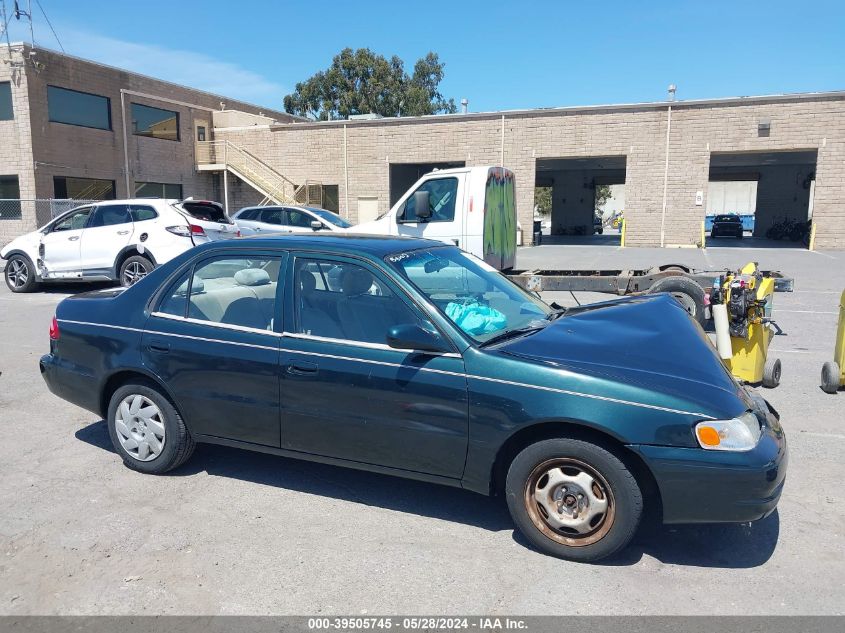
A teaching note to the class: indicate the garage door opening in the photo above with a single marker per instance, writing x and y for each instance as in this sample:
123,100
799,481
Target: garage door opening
580,200
403,175
770,192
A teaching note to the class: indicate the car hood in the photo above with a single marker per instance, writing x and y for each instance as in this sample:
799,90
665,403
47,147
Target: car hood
648,342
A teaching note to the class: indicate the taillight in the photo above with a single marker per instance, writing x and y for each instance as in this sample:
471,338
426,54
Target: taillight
54,330
197,230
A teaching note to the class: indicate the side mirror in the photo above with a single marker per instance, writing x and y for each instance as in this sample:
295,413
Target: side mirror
410,336
422,204
316,225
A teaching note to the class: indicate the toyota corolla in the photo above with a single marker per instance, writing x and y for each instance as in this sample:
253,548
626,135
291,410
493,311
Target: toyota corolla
411,358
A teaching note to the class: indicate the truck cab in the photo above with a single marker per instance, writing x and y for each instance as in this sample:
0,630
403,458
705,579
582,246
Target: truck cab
473,208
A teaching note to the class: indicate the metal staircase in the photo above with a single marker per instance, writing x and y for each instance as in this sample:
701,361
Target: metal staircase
277,189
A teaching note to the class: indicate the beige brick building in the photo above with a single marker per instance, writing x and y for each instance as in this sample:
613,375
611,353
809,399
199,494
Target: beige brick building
791,147
53,145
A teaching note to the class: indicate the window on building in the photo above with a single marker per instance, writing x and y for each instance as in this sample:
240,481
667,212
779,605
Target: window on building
10,204
83,188
155,122
78,108
200,132
158,190
331,199
7,113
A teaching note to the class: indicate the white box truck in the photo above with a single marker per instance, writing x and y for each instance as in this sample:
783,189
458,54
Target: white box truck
471,207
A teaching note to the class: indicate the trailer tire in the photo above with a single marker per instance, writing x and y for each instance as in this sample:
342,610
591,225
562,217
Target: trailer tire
830,377
688,293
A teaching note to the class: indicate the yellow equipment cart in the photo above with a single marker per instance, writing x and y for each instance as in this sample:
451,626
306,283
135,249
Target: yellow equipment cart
833,372
747,299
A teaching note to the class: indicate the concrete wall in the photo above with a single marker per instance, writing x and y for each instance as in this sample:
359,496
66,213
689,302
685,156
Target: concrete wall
817,122
16,151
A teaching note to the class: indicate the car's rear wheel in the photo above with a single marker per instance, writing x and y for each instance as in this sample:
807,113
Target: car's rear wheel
134,269
573,499
146,429
20,274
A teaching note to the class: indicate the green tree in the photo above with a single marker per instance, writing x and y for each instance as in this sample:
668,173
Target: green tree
543,200
363,82
603,194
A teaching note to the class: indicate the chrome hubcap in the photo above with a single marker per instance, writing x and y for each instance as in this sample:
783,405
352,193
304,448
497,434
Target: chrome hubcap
133,273
140,427
18,273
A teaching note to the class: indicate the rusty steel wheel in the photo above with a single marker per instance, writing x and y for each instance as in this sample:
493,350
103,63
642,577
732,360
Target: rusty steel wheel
569,502
573,499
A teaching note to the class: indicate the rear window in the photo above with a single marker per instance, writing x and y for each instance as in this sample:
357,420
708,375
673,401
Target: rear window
205,211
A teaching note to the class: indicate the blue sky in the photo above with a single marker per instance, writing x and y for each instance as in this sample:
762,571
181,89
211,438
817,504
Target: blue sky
500,55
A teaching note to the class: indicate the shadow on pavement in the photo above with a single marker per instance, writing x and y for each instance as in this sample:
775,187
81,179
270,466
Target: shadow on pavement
729,546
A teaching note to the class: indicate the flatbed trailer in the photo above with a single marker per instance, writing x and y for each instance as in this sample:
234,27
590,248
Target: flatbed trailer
689,285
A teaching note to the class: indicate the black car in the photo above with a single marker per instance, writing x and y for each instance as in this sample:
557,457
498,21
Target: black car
728,224
410,357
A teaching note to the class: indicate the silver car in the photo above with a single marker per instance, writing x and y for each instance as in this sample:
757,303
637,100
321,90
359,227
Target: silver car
287,219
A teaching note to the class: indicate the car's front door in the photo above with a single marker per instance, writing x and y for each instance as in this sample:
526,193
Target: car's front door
109,231
272,220
60,246
298,221
346,394
213,339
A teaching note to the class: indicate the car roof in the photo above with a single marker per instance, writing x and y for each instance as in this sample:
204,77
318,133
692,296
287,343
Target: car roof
340,243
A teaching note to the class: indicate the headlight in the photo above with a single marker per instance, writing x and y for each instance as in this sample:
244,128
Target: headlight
737,434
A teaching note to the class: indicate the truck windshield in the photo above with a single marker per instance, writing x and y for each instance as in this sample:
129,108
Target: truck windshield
471,293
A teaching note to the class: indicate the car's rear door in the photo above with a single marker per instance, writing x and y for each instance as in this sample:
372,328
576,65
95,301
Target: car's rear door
346,394
213,339
109,231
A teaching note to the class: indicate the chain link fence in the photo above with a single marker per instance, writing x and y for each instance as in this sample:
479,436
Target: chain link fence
43,210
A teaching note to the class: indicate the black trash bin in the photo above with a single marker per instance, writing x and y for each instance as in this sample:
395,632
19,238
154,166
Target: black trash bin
538,232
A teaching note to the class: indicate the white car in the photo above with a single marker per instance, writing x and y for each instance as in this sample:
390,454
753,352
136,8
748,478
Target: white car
117,240
287,219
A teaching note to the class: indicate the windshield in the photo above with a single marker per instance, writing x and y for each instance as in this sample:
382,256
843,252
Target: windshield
471,293
328,216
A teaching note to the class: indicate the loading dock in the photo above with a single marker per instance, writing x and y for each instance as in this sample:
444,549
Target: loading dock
767,189
578,214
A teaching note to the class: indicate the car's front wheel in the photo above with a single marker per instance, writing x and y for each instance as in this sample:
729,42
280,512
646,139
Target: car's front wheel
134,269
573,499
146,429
20,274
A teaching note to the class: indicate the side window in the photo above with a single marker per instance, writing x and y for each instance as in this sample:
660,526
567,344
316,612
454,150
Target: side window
235,291
75,220
299,218
273,216
109,215
346,301
443,193
141,212
176,299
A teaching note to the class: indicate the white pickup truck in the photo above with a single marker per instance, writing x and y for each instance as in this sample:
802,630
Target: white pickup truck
471,207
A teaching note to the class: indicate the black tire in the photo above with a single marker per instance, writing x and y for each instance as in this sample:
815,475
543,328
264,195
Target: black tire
739,235
16,267
688,293
771,373
134,269
830,377
713,234
609,533
178,445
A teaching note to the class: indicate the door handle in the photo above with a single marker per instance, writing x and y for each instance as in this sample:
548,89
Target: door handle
302,368
73,238
159,347
123,232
